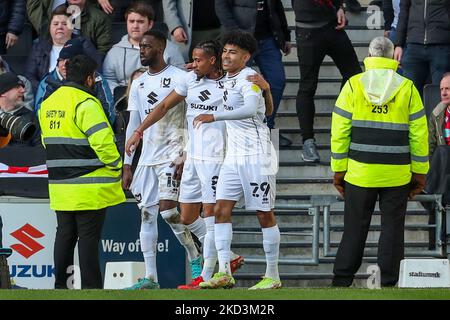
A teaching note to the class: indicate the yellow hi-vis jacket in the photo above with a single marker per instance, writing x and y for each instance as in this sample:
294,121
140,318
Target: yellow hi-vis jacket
84,166
379,133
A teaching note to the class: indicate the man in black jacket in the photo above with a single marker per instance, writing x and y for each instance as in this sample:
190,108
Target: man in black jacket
266,20
12,19
320,31
424,26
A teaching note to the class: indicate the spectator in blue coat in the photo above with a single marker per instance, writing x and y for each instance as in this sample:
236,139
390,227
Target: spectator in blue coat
56,78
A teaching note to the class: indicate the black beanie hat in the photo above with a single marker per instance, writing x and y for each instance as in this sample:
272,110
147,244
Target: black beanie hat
8,81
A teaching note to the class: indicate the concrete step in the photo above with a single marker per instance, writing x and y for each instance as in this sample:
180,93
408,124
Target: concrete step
287,4
291,155
290,121
327,70
355,35
415,209
302,250
322,103
300,170
322,136
360,50
301,221
326,86
296,138
311,186
367,18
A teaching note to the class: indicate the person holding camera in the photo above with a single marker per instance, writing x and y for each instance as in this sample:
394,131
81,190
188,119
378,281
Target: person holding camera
12,91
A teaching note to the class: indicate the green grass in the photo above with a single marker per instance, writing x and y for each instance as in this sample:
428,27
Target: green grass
234,294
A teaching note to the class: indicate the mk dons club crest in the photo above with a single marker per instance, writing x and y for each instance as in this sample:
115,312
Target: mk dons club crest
165,83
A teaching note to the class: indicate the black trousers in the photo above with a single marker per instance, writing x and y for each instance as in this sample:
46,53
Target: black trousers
84,227
312,46
359,206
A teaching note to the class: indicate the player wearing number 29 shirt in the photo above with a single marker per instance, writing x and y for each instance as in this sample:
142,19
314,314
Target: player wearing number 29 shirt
247,169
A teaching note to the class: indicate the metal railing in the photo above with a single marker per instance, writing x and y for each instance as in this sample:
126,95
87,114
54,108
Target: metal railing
314,211
438,212
321,204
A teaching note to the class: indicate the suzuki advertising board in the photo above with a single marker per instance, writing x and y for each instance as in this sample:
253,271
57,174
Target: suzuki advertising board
29,228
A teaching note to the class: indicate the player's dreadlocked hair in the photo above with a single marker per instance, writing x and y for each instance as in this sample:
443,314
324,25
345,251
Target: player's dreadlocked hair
242,39
213,49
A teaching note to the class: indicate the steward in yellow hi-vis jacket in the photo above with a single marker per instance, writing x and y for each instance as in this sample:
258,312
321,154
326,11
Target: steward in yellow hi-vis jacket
379,147
84,168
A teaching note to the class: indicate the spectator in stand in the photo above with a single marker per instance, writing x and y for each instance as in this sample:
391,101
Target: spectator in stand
12,91
57,77
320,31
94,23
191,22
439,123
29,93
424,27
438,178
45,52
124,57
116,9
12,19
266,20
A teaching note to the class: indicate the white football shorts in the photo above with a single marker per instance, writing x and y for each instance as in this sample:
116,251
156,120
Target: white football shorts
153,183
245,176
199,181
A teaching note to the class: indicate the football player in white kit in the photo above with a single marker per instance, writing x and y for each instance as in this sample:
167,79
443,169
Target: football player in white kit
248,169
202,89
155,184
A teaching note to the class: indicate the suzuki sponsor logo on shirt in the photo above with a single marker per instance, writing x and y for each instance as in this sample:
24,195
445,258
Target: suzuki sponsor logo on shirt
152,98
204,95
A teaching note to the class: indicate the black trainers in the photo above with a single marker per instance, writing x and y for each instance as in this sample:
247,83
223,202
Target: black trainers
309,153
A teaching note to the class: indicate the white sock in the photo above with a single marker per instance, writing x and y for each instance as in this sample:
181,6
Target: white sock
181,232
149,237
223,235
209,250
198,227
271,244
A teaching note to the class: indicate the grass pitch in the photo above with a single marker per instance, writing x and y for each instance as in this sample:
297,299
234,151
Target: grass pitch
234,294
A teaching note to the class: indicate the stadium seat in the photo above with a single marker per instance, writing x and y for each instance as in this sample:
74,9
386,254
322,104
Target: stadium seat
120,275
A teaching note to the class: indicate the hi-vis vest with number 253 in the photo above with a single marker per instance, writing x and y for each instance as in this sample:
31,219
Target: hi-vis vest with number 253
84,166
379,133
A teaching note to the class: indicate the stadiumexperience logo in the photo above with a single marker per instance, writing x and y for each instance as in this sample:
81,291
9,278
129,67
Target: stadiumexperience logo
204,95
25,235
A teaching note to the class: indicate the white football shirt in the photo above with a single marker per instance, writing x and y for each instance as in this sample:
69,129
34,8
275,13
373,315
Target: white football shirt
163,141
247,136
203,96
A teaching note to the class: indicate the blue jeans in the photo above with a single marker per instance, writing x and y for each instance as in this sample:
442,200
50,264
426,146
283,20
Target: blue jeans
268,59
420,61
